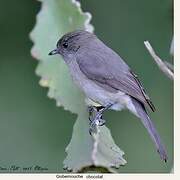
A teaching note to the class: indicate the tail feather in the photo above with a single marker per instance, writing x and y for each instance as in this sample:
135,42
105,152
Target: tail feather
142,114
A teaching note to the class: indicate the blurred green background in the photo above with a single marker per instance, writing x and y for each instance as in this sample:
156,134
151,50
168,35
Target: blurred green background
33,131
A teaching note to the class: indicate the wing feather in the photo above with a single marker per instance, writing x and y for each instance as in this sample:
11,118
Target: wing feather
108,69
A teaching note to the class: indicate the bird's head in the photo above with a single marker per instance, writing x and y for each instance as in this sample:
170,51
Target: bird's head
71,42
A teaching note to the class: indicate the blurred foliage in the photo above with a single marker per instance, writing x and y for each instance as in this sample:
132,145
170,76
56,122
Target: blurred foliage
33,131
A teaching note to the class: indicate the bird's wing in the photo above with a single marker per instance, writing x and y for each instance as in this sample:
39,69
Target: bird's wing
106,68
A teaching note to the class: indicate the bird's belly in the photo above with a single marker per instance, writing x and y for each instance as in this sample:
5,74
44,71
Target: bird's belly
96,95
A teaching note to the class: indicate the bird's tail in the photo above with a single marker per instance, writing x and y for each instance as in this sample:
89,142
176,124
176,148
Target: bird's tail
142,114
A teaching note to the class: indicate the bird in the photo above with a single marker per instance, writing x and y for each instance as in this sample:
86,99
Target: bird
106,81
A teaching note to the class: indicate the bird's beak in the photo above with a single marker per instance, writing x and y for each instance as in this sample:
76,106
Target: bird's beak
53,52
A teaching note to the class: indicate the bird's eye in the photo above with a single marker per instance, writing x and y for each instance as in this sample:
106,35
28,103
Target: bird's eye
65,45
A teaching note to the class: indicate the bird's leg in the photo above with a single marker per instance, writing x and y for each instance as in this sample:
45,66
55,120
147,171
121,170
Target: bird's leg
96,117
107,106
91,110
99,114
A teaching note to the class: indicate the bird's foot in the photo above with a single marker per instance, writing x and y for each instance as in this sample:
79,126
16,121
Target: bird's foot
95,117
101,122
97,121
92,110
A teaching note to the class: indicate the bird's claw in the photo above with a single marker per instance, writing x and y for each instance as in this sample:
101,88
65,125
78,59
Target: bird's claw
95,121
101,122
95,118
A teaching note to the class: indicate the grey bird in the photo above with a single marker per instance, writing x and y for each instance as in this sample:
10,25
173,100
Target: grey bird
106,80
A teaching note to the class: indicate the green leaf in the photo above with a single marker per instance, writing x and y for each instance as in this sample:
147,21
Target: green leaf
56,18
